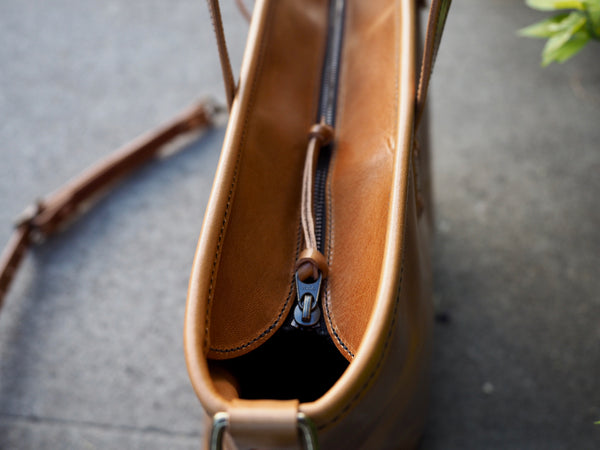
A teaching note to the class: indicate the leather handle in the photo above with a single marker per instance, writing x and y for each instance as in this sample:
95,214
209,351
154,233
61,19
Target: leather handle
217,21
438,11
62,206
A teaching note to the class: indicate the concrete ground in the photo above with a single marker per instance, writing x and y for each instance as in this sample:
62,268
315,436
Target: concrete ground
91,336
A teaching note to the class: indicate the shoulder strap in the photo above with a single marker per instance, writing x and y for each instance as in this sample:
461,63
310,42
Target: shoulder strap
438,11
217,21
59,208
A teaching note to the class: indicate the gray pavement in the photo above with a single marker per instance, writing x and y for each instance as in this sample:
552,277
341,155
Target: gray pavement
91,336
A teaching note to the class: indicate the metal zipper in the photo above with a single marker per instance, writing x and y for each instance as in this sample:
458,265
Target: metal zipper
307,313
330,76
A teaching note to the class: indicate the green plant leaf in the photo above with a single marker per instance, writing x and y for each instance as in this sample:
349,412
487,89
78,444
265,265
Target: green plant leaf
552,5
560,52
565,25
570,25
593,16
545,28
567,33
592,5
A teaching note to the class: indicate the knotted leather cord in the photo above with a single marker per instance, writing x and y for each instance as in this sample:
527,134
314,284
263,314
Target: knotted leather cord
311,260
51,214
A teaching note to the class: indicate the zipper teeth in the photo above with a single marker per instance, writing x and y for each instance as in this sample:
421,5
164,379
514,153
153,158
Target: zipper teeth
311,291
327,110
329,80
319,199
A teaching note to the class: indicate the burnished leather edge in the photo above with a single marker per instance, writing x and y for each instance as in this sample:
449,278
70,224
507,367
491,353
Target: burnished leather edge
198,305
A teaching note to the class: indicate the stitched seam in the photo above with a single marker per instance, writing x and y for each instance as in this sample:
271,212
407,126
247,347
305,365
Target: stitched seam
403,243
386,344
379,361
264,333
328,290
235,175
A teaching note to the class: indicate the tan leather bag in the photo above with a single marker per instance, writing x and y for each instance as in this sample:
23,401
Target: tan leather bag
309,311
309,308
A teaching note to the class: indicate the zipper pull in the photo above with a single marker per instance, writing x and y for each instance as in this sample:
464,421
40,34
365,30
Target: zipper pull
307,312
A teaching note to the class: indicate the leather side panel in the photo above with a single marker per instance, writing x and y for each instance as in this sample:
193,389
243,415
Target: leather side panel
361,177
252,280
390,412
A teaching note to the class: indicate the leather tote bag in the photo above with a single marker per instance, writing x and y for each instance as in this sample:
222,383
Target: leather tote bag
309,315
309,311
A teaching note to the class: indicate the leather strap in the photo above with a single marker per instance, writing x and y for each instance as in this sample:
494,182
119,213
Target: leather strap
243,10
438,12
61,207
11,258
267,424
217,21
